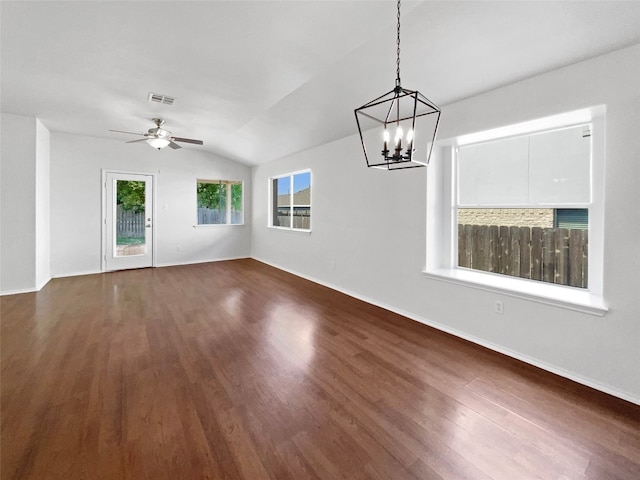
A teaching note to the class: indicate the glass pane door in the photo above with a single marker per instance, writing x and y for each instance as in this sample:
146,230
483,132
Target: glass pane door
130,218
128,221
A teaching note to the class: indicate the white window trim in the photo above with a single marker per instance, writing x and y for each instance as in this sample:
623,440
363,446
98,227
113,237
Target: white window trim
228,212
442,238
270,224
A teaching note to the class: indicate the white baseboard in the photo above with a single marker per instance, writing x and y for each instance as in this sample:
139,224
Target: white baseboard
18,291
42,285
195,262
77,274
471,338
94,272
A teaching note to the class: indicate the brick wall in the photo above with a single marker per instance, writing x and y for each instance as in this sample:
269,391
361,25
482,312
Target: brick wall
516,217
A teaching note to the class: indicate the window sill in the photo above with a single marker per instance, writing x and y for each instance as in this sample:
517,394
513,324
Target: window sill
298,231
217,225
570,298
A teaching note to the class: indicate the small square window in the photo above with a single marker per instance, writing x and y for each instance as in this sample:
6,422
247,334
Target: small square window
220,202
291,201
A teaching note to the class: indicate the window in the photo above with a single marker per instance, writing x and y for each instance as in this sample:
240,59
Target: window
219,202
512,196
291,201
519,210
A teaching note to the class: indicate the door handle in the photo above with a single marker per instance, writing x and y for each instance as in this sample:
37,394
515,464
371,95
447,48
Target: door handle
148,226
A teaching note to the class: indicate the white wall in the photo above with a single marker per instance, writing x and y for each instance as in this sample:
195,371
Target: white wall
76,202
369,226
24,210
42,206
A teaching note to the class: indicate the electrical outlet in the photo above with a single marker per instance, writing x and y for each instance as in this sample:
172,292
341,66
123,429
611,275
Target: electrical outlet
499,307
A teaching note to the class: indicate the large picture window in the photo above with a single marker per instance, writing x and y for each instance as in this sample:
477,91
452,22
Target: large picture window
291,201
219,202
519,210
523,206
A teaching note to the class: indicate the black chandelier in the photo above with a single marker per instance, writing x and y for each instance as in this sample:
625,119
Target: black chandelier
400,110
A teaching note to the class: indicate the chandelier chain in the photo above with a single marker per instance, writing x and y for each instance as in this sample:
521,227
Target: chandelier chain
384,114
398,49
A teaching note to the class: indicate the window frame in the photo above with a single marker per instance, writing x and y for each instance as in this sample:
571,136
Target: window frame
442,231
292,205
228,212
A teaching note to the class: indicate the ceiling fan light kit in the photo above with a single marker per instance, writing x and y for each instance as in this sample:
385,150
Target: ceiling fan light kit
160,138
407,115
158,143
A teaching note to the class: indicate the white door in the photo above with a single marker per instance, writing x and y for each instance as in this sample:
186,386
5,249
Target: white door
128,221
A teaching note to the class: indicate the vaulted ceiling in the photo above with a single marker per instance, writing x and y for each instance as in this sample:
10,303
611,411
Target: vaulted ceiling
257,80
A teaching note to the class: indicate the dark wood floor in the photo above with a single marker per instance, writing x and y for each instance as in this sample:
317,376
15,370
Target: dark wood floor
237,370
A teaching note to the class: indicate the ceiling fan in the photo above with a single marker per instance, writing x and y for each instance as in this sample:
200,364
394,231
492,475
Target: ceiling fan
159,138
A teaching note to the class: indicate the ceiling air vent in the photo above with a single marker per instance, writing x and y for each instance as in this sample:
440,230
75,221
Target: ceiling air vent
159,98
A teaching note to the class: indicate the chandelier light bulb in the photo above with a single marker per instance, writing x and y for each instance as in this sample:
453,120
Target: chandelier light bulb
409,135
410,142
399,134
385,137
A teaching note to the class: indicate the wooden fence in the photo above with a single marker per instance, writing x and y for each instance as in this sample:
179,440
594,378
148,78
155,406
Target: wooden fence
129,224
213,216
554,255
300,220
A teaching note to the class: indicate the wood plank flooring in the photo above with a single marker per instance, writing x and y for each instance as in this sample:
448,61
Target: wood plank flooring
236,370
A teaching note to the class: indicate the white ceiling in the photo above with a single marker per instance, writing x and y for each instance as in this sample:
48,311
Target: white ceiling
257,80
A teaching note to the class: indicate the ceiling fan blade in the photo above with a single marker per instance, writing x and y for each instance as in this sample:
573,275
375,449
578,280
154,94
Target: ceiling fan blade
134,141
187,140
122,131
174,145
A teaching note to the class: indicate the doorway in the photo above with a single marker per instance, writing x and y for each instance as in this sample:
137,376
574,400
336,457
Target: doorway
128,221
